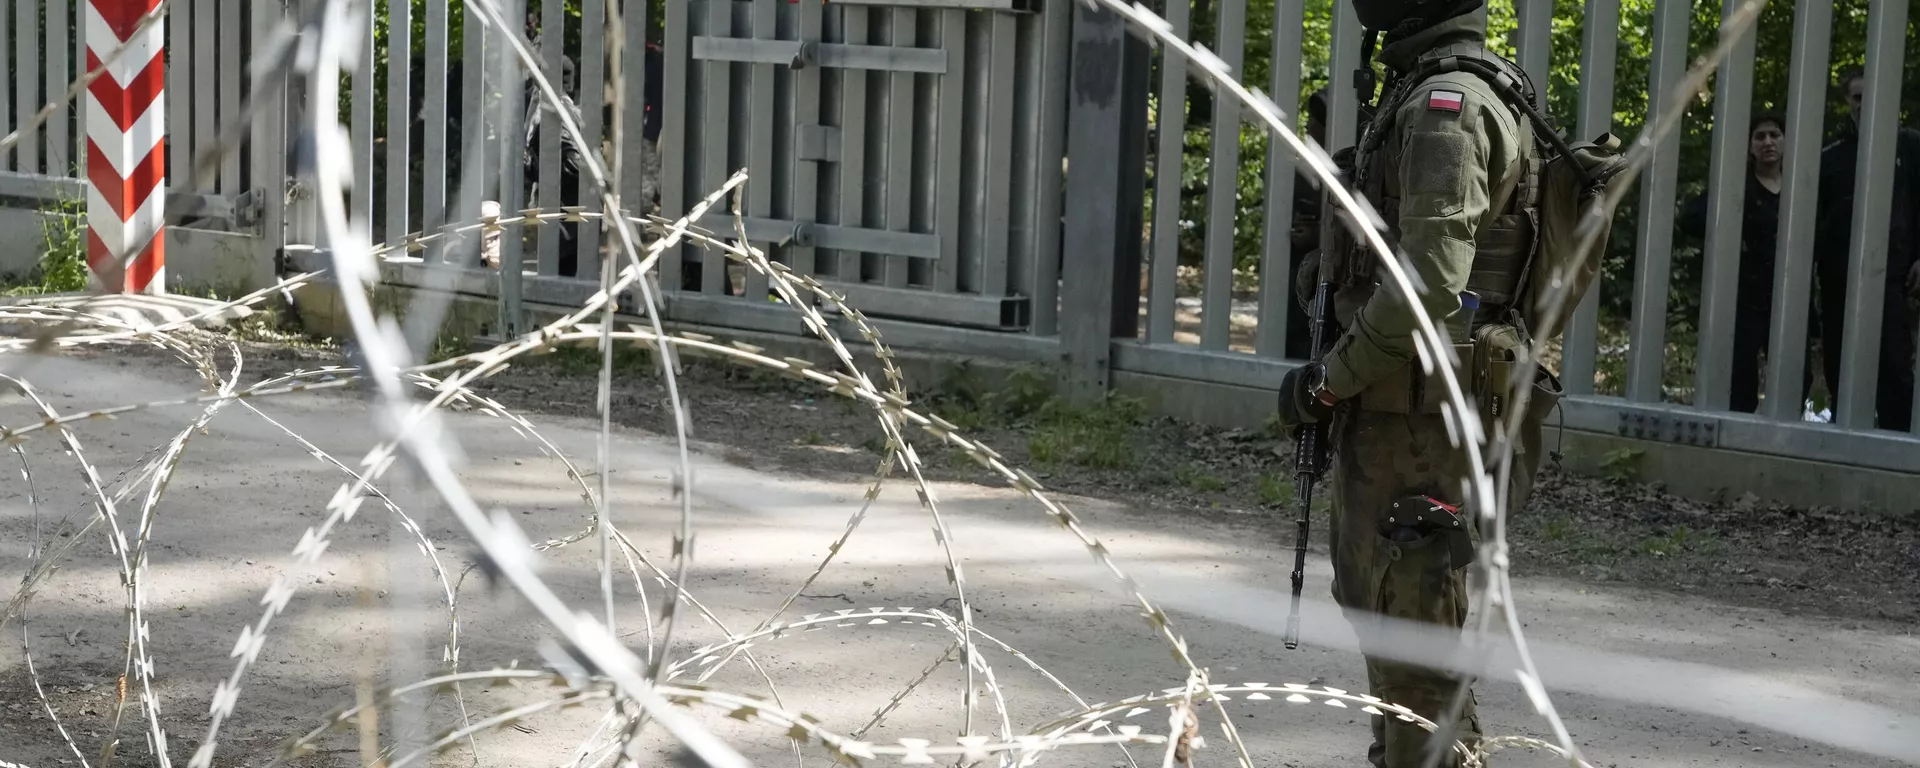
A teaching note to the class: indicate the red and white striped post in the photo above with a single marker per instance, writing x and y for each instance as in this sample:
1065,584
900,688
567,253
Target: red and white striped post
126,149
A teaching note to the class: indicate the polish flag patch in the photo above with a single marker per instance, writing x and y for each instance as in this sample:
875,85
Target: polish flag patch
1448,101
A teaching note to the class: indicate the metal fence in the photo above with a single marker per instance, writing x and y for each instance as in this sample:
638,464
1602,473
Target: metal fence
209,43
915,154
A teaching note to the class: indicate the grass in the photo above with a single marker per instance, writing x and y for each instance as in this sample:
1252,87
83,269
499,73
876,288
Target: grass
1060,434
1563,536
63,261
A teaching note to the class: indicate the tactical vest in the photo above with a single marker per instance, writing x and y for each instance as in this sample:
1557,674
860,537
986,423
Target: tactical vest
1505,241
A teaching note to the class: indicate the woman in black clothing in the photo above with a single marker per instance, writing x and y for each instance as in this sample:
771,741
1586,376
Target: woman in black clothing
1760,227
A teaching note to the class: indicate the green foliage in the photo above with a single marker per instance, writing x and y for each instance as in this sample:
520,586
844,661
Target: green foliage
1773,42
63,267
1622,464
1275,490
63,259
1096,438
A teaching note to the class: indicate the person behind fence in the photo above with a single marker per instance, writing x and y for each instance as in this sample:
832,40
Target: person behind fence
1759,234
1454,171
1833,234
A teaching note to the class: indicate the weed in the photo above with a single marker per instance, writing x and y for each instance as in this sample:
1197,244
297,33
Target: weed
1275,490
1622,464
1558,529
1680,540
1099,438
586,360
814,438
1196,477
63,263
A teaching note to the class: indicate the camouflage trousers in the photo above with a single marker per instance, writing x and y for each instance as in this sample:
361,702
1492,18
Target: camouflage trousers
1380,458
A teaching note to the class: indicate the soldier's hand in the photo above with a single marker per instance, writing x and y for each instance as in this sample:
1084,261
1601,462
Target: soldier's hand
1297,404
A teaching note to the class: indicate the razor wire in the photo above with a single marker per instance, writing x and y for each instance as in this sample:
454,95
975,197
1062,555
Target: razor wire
590,662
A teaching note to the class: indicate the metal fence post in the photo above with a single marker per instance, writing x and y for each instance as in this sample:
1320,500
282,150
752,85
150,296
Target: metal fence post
1799,201
1860,357
1726,192
268,167
1598,49
1106,145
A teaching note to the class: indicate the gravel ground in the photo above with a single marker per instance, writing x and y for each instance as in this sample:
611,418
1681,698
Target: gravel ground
1819,599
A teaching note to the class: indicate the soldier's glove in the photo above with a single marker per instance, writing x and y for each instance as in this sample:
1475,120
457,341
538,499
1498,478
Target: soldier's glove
1302,400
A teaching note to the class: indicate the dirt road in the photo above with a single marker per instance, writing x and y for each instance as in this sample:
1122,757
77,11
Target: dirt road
245,492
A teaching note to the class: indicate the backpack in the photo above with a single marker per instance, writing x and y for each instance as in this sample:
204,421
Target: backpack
1570,207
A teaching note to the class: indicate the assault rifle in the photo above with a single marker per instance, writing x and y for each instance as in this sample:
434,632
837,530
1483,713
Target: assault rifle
1310,457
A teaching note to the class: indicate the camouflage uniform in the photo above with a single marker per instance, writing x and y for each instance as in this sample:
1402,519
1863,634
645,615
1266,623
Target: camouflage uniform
1448,177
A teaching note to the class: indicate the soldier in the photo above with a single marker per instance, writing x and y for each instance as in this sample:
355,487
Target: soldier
1453,170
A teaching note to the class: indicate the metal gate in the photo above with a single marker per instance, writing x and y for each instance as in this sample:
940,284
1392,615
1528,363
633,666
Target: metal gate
892,151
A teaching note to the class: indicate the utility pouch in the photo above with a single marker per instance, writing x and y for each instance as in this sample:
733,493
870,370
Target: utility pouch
1496,350
1418,518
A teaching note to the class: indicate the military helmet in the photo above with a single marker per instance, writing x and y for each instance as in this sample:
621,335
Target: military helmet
1390,15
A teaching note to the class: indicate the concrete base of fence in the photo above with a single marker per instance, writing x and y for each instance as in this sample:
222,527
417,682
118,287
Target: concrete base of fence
1690,472
1707,474
1722,475
197,259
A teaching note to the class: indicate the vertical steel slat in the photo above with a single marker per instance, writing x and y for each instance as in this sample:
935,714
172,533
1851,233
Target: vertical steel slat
399,127
26,95
475,62
1343,110
1872,205
6,89
925,156
1000,85
975,154
760,140
1535,44
553,51
673,133
718,127
268,166
806,111
1052,151
206,89
433,115
1726,212
179,54
1223,188
593,101
1169,157
1581,344
6,92
233,61
1030,39
899,149
632,103
78,20
363,88
1799,209
1025,127
62,160
508,145
1276,248
1653,243
853,142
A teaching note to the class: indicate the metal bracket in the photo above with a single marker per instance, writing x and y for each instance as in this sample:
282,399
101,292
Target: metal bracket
1701,431
246,209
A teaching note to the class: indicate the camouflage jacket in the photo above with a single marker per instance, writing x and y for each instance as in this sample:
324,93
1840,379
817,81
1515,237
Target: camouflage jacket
1449,161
